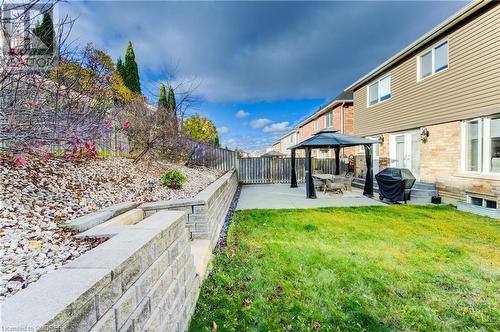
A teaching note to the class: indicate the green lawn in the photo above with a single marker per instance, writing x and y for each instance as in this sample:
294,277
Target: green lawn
364,268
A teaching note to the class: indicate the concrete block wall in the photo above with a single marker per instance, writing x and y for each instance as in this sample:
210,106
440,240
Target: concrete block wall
206,211
141,279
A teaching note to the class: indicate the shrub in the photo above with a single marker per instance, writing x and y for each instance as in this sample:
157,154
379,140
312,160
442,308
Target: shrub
104,153
173,179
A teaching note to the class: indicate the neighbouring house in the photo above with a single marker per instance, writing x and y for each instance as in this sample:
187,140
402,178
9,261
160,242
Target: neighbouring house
286,141
436,107
18,21
338,114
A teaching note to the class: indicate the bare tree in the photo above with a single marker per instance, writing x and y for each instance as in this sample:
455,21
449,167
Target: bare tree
51,99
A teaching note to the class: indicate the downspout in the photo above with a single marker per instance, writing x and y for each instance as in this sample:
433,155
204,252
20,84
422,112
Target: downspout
342,127
342,117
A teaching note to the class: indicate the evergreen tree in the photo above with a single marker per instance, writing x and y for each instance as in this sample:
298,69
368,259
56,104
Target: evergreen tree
171,105
120,68
131,72
44,30
162,100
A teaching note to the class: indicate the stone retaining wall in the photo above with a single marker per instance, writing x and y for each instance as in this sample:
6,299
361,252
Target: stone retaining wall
206,211
141,279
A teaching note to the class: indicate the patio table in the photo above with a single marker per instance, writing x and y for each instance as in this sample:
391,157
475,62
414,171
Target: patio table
323,177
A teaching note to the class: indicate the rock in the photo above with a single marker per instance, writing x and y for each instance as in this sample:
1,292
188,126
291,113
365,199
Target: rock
38,198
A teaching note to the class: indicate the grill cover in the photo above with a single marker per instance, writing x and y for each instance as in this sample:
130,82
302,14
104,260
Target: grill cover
395,183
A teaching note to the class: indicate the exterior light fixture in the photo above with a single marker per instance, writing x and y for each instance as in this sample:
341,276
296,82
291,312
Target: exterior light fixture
424,135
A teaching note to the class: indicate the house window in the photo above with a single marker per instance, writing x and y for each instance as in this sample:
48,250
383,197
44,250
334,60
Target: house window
478,201
329,119
433,61
494,141
316,124
379,90
481,145
472,145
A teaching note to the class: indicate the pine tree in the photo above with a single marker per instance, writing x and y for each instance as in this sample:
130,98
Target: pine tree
131,72
45,32
120,68
162,100
171,105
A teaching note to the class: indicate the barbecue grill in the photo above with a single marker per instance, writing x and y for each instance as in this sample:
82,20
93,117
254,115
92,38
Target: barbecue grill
395,184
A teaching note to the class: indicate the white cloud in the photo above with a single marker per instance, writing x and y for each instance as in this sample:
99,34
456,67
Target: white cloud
277,128
248,143
259,123
223,130
241,114
252,62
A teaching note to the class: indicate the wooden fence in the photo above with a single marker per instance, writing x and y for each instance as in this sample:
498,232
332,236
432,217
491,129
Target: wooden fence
218,158
278,170
260,169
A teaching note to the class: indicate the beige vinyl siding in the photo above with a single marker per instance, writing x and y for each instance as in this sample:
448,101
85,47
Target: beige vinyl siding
470,86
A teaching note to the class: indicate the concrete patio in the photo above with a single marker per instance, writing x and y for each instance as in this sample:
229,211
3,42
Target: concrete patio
281,196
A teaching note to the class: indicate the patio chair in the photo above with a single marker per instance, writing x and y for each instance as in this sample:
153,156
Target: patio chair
348,181
336,184
318,183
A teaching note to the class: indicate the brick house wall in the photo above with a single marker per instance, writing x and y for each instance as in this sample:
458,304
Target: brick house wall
307,130
440,164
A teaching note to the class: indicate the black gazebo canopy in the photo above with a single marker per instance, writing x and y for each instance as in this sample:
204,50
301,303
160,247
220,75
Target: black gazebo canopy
330,138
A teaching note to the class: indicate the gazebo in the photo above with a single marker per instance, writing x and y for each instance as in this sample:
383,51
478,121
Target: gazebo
330,138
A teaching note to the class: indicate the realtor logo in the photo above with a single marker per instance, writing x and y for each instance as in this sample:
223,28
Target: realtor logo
27,35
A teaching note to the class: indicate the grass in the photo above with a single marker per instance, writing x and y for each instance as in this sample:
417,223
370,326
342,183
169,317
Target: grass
363,269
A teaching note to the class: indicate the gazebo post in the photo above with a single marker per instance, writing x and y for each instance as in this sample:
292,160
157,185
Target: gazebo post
368,190
294,175
337,160
310,192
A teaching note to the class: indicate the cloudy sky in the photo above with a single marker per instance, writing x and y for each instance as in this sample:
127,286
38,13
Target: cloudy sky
259,67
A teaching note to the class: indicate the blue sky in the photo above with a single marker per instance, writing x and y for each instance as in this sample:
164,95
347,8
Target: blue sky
258,67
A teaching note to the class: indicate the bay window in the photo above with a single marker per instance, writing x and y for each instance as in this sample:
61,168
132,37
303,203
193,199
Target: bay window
481,145
379,90
433,61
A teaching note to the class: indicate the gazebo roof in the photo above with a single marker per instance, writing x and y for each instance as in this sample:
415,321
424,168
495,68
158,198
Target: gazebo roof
330,137
272,154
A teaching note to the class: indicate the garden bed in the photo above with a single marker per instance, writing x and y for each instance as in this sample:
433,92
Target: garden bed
365,268
36,198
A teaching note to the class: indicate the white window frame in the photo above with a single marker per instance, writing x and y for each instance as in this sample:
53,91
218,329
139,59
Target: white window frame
378,90
329,114
483,201
464,146
484,158
316,125
433,58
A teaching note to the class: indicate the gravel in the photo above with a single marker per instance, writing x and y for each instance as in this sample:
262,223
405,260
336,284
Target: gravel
222,242
37,197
